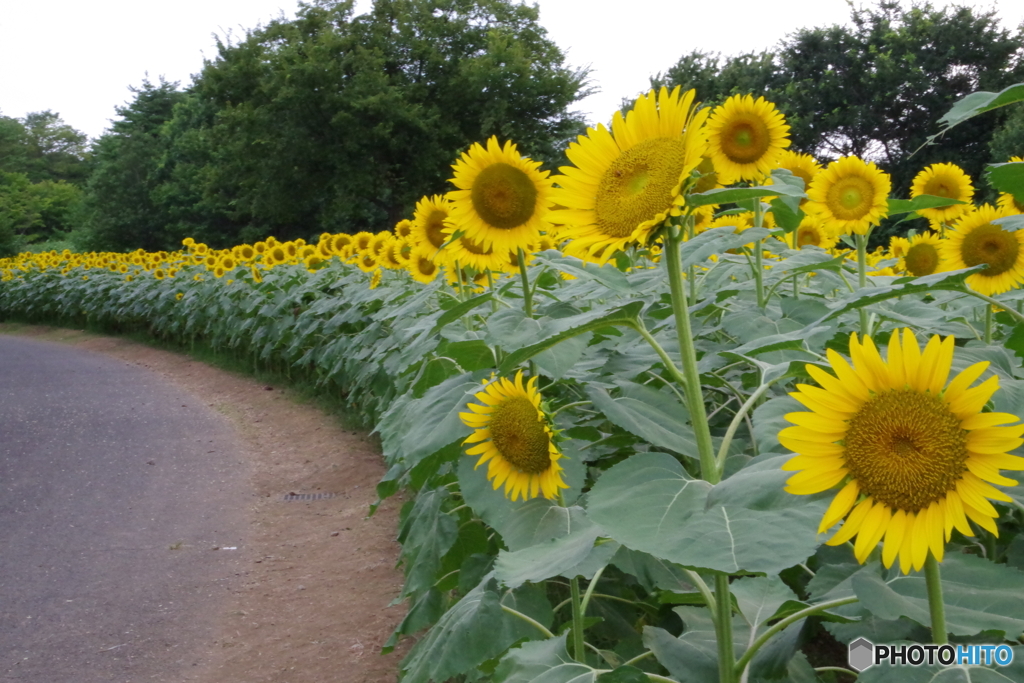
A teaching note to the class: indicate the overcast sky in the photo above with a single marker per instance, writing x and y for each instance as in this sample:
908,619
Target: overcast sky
79,58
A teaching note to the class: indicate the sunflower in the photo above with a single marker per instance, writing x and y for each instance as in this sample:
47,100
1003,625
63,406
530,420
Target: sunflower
943,180
512,435
812,233
361,240
503,198
923,255
431,217
421,263
745,138
1007,201
975,240
851,195
626,182
803,166
916,457
467,251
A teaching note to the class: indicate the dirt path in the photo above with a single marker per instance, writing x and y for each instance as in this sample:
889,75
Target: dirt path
314,584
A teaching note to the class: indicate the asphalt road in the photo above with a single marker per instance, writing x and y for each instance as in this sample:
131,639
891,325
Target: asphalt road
115,488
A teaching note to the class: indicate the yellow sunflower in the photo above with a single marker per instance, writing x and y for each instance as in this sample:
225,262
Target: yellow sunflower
975,239
431,217
503,198
916,456
812,233
511,435
421,263
923,255
468,252
851,195
623,184
943,180
745,138
803,166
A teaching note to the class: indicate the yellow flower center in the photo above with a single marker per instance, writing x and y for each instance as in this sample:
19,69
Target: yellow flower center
435,228
850,199
906,449
940,187
745,139
992,245
519,435
638,185
808,236
921,259
504,196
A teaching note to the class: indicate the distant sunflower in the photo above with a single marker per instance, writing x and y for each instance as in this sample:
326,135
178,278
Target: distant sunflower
468,252
421,263
851,195
512,436
943,180
503,198
812,233
745,138
803,166
431,217
916,457
975,240
625,183
923,255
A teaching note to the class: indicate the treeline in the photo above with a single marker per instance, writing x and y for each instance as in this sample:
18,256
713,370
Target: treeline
336,122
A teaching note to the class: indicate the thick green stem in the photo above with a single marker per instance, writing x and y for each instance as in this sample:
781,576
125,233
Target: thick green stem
758,258
590,590
694,396
995,302
527,292
578,651
862,278
723,629
741,664
736,420
532,622
935,605
988,324
705,592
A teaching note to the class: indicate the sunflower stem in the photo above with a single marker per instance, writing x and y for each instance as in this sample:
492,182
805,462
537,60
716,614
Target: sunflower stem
737,419
995,302
578,651
862,279
590,590
723,629
527,292
988,324
532,622
935,604
691,387
758,257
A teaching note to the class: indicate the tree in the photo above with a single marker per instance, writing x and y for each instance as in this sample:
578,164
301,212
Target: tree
340,123
877,88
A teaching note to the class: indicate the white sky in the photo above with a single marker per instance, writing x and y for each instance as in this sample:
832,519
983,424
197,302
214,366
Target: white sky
79,58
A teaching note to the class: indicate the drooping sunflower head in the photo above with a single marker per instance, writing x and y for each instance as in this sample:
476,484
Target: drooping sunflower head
915,455
625,182
975,239
745,138
943,180
511,434
851,195
923,255
503,198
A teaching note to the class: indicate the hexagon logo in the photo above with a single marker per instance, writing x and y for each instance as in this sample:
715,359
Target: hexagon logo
862,654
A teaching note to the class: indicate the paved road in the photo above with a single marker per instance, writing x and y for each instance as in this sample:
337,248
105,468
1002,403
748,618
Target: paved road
115,486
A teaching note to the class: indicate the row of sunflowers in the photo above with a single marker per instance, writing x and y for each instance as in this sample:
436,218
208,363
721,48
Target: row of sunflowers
662,416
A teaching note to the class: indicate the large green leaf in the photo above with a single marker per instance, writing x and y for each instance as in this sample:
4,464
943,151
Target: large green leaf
426,535
979,596
607,274
1008,177
690,658
549,558
649,503
473,631
717,241
556,330
544,661
760,597
979,103
924,201
654,416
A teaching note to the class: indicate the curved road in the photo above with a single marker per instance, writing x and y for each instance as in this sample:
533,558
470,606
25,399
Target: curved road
115,488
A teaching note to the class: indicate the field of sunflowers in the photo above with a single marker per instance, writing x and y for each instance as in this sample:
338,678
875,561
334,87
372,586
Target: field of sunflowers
662,416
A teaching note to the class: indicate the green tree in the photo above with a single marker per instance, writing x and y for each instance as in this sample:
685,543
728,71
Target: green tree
876,88
336,122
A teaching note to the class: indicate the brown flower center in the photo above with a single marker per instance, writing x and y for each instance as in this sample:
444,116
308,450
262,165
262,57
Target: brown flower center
992,245
519,435
504,196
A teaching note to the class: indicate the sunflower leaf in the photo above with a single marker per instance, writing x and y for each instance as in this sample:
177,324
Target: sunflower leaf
556,330
924,201
543,660
652,415
979,103
608,275
979,596
717,241
459,310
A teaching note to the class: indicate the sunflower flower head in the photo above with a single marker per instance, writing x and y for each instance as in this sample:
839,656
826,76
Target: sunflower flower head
914,455
851,195
503,198
943,180
922,255
976,240
511,435
746,137
626,182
